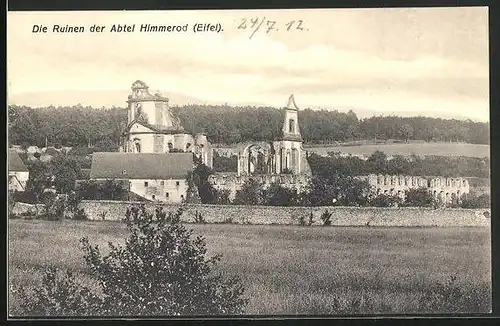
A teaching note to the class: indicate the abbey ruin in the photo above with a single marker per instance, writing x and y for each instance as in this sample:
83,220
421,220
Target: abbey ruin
282,160
447,190
156,157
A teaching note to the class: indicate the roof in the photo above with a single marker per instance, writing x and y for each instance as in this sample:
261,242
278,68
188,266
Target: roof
157,129
15,162
141,165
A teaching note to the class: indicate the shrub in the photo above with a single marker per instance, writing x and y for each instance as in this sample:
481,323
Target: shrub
80,215
302,220
161,270
27,197
419,197
306,220
384,200
277,195
59,295
326,218
55,206
311,219
476,201
221,197
249,194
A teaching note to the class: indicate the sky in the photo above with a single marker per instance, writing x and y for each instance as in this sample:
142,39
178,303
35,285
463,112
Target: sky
429,60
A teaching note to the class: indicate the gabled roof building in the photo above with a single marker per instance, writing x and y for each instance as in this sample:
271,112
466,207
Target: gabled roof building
18,172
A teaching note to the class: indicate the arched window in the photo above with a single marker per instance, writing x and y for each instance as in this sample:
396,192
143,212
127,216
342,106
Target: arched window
137,145
291,126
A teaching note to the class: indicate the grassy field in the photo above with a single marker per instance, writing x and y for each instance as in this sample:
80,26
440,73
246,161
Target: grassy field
439,149
299,270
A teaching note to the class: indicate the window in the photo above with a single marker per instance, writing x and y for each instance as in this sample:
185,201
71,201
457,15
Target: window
177,183
291,125
145,183
162,183
167,194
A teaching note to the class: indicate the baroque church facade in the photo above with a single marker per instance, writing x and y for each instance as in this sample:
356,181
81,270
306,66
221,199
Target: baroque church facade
153,128
156,153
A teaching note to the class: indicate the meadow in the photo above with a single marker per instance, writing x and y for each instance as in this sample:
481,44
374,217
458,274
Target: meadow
438,149
290,270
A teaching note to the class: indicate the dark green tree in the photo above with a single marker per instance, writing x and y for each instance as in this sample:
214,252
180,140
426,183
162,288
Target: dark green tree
249,194
419,197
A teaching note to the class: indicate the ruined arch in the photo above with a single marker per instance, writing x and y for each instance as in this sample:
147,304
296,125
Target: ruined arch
255,158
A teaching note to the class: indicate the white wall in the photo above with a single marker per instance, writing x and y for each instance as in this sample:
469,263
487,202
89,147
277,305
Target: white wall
19,181
176,189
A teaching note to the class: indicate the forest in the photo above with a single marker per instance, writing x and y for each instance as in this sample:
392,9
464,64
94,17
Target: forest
81,126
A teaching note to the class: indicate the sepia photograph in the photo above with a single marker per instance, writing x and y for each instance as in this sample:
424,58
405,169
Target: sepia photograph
206,163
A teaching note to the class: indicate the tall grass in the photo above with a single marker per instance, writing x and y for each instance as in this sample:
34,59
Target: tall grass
297,270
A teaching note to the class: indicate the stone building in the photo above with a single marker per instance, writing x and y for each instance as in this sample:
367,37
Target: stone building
156,153
153,176
18,172
153,128
448,190
282,160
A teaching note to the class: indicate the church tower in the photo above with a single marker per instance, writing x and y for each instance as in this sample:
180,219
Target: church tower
153,128
290,156
291,130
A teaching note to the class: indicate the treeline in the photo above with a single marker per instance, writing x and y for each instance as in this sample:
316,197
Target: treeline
65,126
224,124
78,125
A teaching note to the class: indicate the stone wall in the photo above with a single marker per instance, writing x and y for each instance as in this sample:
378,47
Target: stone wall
20,209
341,216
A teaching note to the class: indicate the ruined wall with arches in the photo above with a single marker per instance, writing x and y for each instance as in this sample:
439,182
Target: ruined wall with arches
448,190
234,182
272,157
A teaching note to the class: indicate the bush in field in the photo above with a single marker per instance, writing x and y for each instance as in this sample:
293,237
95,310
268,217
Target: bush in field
161,270
277,195
249,194
306,220
419,197
326,217
384,200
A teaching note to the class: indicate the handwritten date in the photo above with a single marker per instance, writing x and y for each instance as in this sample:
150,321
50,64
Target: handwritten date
255,24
